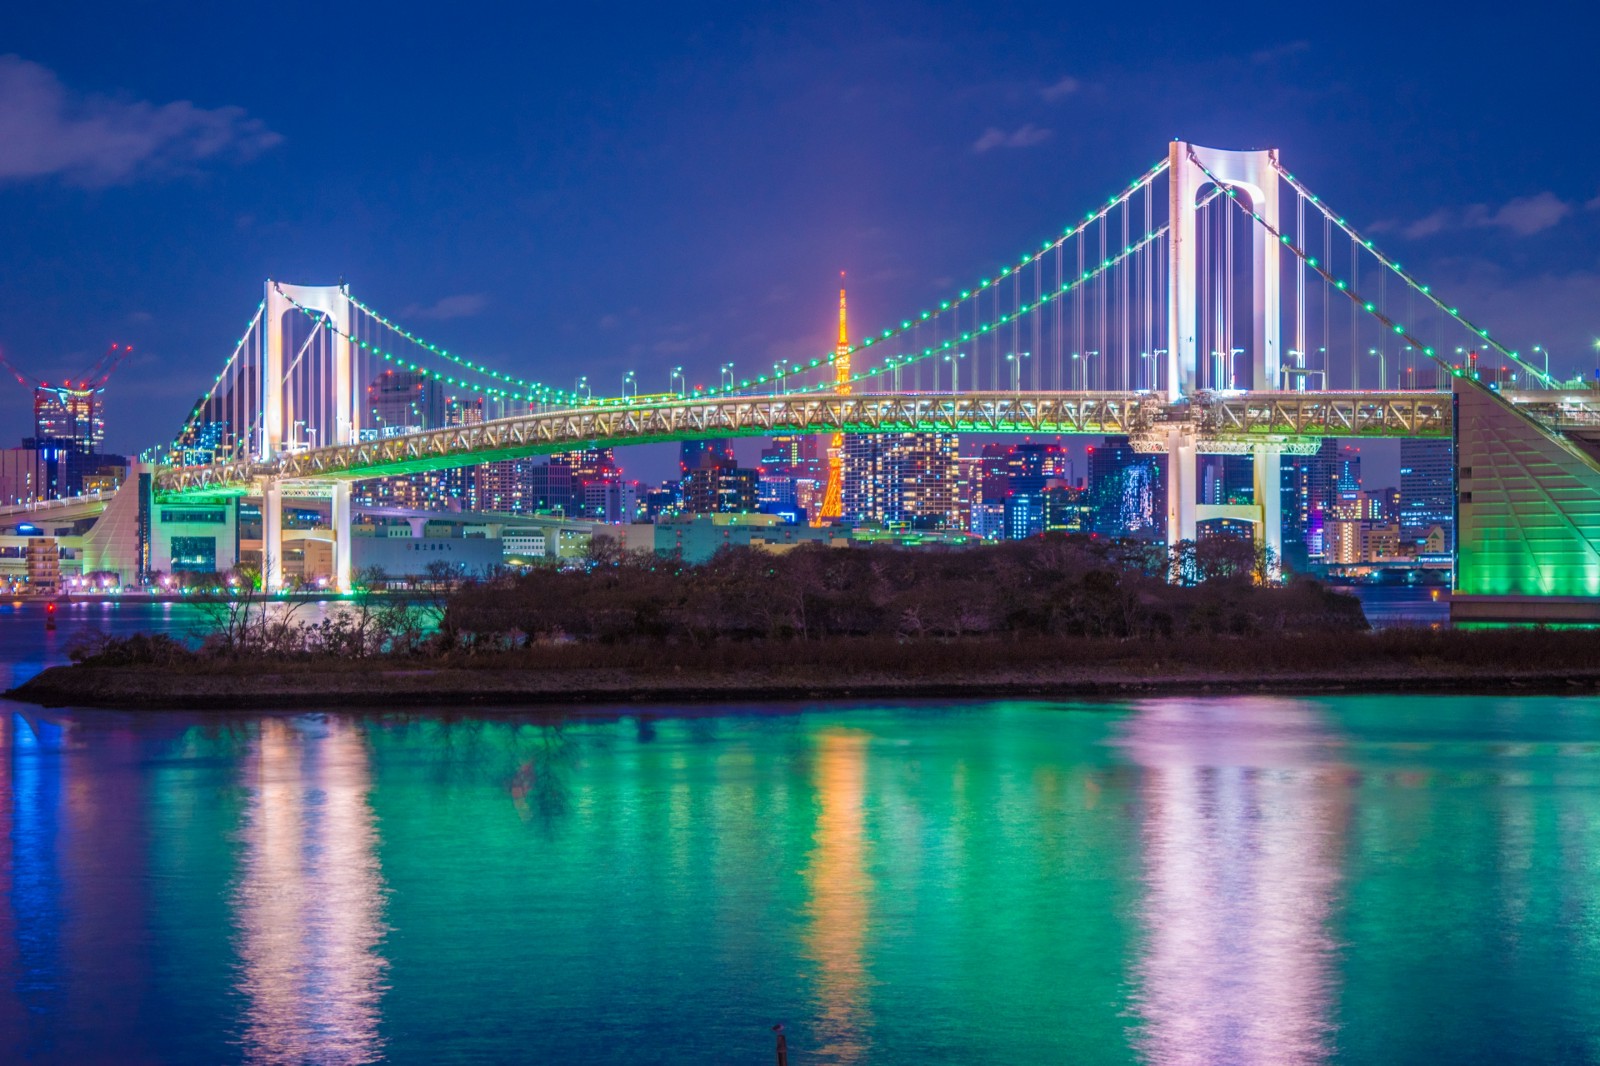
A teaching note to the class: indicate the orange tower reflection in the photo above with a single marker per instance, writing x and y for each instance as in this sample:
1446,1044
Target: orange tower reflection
838,883
1245,818
309,900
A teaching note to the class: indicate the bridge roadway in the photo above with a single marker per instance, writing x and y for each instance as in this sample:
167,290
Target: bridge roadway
1219,422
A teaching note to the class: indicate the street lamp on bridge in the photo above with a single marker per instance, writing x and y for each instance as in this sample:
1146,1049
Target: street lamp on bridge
629,379
1015,359
954,359
1546,353
676,377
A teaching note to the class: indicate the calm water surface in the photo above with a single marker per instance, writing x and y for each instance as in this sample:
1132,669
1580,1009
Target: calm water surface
1227,880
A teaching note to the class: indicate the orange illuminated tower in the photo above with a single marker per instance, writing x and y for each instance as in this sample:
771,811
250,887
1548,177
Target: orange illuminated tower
833,498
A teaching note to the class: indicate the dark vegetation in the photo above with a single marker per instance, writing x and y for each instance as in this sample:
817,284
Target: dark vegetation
1071,613
1044,587
1055,587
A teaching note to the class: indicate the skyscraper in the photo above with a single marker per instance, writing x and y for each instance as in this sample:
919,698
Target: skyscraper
1427,490
402,401
69,417
715,451
902,479
1128,491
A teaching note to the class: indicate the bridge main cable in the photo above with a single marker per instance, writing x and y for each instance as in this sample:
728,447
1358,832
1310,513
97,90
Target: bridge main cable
1413,282
984,285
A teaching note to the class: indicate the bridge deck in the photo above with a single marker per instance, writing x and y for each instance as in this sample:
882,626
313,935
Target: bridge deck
1221,422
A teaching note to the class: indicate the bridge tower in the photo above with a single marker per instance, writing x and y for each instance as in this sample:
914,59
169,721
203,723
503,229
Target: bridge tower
278,416
833,496
1255,174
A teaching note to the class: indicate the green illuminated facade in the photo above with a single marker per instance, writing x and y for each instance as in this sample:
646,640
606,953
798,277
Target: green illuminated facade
1528,512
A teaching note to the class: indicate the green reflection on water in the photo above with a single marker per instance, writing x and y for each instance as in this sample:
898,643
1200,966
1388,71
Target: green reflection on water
1242,880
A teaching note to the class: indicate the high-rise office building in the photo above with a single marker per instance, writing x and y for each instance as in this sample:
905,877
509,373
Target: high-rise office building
1128,490
1227,479
69,417
404,401
716,489
794,454
1031,469
902,479
1427,490
714,451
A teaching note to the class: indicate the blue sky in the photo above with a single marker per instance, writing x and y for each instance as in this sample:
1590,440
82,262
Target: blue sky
589,189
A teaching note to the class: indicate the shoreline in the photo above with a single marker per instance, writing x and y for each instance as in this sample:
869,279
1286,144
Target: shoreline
154,688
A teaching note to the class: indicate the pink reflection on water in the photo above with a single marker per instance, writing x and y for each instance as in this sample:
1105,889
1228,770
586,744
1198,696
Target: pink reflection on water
309,900
1245,810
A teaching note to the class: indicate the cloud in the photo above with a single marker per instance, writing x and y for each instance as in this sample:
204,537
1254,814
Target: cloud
1438,222
1527,215
1025,136
95,141
1060,90
1280,51
1555,310
464,305
1592,205
1523,216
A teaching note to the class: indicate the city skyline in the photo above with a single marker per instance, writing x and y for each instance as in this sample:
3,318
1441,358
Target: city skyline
143,199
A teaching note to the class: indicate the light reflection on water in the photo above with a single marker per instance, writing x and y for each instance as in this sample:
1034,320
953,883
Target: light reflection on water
1245,810
1241,880
309,899
839,889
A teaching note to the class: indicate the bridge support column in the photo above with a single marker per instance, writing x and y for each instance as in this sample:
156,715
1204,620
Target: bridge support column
1267,464
339,519
271,536
1182,477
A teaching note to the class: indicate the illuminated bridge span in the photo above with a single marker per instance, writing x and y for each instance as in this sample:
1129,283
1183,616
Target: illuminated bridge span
1220,423
1212,304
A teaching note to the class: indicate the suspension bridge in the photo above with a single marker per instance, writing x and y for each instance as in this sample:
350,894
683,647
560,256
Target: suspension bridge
1213,304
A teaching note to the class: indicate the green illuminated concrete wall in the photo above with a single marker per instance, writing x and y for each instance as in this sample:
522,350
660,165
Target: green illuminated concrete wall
1528,510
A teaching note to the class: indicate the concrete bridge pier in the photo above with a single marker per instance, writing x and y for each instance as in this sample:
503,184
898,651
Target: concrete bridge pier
1267,467
1183,467
271,535
339,519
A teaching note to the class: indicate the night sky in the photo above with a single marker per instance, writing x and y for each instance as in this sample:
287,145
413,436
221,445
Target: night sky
594,188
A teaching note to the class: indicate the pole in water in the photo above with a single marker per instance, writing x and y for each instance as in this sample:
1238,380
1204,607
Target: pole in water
50,615
783,1045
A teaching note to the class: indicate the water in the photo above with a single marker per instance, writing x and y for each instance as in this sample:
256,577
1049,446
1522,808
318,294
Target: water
1223,880
1402,605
